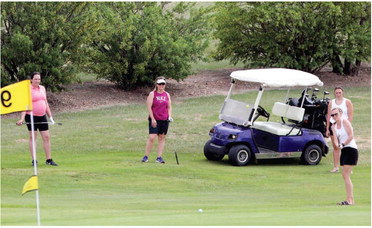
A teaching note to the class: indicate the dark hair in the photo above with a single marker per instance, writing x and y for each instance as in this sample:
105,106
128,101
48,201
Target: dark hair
338,87
34,73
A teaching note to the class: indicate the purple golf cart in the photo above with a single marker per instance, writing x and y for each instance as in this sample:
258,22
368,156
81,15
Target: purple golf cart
299,134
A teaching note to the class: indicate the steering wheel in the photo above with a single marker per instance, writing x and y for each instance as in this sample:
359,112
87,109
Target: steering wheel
262,112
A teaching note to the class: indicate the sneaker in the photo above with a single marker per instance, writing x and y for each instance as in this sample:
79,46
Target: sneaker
33,162
160,160
145,159
50,162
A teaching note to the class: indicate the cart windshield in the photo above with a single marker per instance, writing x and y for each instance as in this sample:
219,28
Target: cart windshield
236,112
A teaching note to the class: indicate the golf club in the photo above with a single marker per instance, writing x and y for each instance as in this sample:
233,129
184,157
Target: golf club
50,123
175,154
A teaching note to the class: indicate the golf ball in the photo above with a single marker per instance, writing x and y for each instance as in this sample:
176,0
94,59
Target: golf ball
200,210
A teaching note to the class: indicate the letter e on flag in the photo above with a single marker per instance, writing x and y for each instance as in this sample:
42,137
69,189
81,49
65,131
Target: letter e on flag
16,97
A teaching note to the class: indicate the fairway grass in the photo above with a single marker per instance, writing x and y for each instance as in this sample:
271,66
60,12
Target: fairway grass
100,180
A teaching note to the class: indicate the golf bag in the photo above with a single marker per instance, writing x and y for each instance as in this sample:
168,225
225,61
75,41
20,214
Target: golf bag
315,110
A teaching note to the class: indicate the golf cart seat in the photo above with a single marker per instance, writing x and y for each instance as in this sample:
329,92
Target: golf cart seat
286,111
276,128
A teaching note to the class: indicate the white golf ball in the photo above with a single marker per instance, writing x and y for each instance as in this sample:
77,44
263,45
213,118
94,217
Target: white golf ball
200,210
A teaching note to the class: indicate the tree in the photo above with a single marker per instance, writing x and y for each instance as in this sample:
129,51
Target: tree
45,37
297,35
143,40
353,37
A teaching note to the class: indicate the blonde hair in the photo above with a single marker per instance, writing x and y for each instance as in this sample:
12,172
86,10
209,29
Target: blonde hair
156,79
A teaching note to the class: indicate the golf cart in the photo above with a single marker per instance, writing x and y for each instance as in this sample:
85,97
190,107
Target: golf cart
244,139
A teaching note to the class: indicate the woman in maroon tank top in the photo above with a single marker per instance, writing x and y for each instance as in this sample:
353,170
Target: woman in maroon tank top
160,112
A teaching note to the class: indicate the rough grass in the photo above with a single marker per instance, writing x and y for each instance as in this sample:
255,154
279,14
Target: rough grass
101,181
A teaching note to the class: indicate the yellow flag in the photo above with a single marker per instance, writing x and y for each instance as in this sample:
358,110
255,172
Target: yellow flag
31,185
16,97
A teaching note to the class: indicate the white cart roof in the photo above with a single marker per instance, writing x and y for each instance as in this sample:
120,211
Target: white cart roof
277,77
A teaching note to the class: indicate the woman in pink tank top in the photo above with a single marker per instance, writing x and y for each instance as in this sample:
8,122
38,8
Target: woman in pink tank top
347,107
160,114
40,109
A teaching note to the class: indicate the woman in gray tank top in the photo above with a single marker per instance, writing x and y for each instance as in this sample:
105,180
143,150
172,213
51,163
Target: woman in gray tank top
347,108
344,136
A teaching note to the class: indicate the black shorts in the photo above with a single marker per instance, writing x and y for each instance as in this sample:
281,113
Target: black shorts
349,156
37,119
161,127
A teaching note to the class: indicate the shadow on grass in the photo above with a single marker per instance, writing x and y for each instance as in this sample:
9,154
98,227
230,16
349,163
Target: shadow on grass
261,162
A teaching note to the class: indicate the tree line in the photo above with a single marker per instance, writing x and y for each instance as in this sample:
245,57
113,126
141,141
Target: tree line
131,43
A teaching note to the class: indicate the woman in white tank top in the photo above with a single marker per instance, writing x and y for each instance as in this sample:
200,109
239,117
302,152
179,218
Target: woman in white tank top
344,136
347,108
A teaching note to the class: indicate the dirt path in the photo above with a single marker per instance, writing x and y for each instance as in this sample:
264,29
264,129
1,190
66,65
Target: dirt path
92,95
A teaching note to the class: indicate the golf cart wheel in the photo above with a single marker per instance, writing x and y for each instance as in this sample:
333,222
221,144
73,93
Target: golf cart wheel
240,155
312,155
211,156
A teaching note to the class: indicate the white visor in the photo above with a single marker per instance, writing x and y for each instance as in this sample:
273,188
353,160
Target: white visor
160,81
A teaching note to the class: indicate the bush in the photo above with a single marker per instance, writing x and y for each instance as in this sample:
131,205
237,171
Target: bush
143,40
44,37
297,35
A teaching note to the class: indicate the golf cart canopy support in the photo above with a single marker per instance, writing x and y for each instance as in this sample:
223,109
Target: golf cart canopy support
271,77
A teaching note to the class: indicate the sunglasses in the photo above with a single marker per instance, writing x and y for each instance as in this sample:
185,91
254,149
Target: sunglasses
334,114
161,84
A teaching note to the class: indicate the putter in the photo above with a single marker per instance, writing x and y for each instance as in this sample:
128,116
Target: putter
175,154
43,123
170,120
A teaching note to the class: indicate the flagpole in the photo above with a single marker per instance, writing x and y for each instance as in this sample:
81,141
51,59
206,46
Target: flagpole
35,166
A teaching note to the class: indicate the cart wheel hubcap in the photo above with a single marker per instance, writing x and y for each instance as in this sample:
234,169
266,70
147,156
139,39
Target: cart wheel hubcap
243,156
313,155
